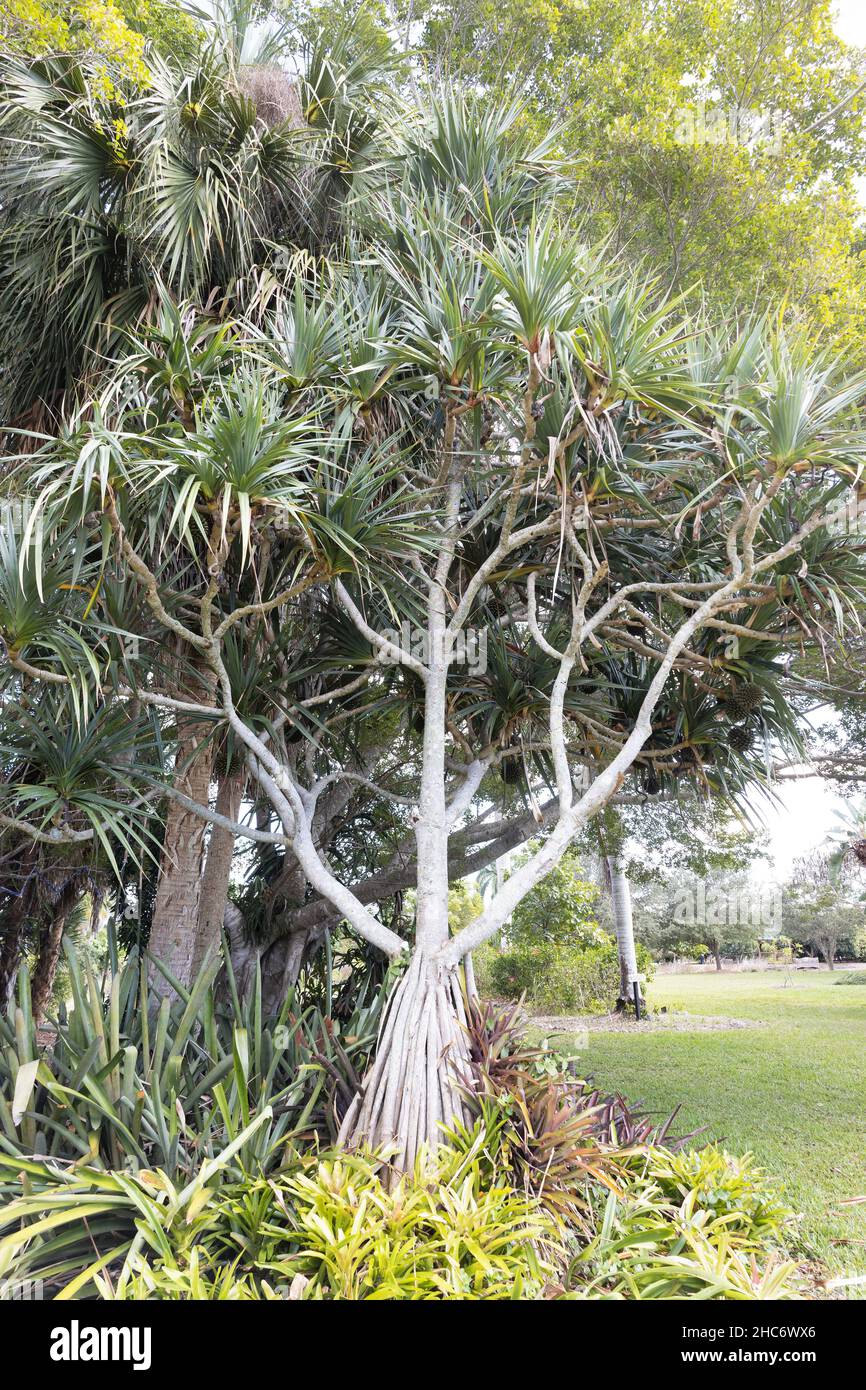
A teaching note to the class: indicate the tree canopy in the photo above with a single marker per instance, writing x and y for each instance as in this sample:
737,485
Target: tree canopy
362,511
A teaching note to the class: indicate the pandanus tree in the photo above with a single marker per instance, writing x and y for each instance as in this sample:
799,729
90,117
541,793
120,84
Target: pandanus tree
78,764
506,533
202,178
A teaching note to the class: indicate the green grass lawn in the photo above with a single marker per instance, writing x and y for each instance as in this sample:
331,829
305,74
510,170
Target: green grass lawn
793,1091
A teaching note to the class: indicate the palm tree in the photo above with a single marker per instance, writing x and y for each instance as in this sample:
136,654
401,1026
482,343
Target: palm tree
848,840
463,422
205,179
205,182
623,926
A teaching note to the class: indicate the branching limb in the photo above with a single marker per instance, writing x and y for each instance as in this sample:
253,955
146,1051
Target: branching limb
57,836
382,644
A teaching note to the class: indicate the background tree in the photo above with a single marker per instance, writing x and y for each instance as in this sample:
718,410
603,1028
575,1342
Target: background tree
560,909
700,888
820,908
186,174
554,951
663,108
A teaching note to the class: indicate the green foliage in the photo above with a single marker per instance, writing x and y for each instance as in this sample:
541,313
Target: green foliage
698,1224
710,1178
59,1217
657,106
445,1234
172,31
132,1082
331,1227
556,978
552,1190
464,905
821,907
97,28
557,955
327,1227
559,910
686,950
183,168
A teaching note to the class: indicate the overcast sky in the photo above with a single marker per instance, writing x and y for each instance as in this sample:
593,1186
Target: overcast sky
851,20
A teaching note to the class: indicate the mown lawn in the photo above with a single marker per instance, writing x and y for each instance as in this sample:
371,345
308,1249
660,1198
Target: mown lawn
792,1090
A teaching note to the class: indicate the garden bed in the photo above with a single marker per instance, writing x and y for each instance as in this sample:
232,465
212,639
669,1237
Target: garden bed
625,1023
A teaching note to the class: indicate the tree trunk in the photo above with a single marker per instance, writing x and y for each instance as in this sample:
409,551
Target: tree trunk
178,896
469,977
10,939
50,945
620,900
718,957
282,962
414,1086
217,870
46,967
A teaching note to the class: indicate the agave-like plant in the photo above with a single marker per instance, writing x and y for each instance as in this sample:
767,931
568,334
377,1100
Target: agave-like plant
133,1081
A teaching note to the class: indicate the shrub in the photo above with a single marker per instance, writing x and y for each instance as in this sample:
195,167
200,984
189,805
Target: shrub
448,1235
685,950
551,1190
539,1124
644,1249
696,1224
560,910
325,1228
557,978
715,1181
68,1225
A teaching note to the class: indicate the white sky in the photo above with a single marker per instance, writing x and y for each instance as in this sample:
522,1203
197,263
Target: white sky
801,823
851,21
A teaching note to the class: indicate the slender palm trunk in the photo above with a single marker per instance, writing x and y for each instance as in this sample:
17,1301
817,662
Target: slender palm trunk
469,977
620,898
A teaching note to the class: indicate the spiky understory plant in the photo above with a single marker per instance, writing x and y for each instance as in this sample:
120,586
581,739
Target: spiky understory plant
533,1115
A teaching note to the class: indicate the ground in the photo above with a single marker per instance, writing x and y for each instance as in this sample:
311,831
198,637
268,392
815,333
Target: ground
791,1088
